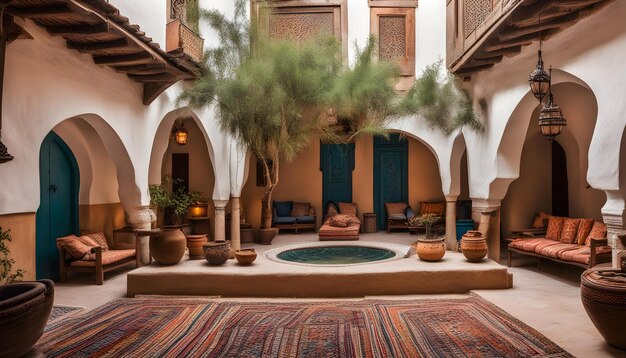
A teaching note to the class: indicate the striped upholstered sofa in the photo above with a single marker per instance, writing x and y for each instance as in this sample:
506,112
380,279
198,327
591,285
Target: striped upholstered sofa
580,242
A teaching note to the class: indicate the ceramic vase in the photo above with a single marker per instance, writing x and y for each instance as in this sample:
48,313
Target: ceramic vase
431,249
474,246
603,292
216,253
267,235
245,256
194,244
168,247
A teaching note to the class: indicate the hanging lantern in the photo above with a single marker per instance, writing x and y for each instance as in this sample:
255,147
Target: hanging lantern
4,154
180,134
551,119
539,80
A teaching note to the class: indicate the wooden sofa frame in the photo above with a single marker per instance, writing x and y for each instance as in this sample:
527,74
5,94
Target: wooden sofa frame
298,226
98,268
594,259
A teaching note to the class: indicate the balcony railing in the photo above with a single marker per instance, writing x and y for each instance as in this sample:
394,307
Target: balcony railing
179,36
481,32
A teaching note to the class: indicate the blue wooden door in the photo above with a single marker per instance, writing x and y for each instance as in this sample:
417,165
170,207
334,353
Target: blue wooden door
58,209
336,164
390,174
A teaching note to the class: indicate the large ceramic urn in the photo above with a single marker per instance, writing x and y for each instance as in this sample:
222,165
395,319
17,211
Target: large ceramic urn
474,246
168,247
603,292
431,249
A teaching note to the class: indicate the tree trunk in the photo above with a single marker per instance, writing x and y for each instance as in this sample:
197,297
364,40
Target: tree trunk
266,210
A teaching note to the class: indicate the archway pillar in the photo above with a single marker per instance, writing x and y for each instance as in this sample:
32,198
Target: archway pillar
451,243
220,219
235,234
140,218
613,217
480,206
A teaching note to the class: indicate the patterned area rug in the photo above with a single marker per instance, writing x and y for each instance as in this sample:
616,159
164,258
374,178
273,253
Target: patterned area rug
191,327
60,312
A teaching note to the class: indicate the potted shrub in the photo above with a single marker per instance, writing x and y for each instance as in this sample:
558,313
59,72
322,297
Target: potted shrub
7,275
432,246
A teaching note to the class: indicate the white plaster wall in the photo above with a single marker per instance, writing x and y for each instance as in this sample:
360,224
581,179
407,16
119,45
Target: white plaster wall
151,15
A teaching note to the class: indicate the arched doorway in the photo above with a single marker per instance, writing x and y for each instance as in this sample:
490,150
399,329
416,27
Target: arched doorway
58,211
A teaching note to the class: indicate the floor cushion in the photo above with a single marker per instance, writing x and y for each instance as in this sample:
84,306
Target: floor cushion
349,209
283,208
306,219
285,220
108,257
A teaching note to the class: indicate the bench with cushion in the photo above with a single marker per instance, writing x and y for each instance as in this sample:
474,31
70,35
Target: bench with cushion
293,215
580,242
92,253
397,222
398,215
341,223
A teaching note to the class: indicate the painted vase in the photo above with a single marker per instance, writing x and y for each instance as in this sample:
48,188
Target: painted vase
216,253
245,256
194,244
474,246
603,292
431,249
168,247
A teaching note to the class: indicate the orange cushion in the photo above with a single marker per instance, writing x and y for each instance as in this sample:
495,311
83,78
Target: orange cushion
555,225
74,246
531,244
555,250
570,229
331,209
583,230
349,209
437,208
395,208
598,231
300,209
583,254
108,257
339,220
100,240
538,222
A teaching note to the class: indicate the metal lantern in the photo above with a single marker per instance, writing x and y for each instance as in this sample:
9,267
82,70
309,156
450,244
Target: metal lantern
180,134
539,80
551,119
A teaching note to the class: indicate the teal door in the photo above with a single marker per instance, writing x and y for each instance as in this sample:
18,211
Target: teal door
58,209
391,173
336,164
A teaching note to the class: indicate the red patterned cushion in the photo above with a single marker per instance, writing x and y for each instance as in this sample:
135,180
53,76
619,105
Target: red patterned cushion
538,222
598,231
347,209
300,209
555,225
74,246
433,208
570,229
583,230
339,220
100,240
395,208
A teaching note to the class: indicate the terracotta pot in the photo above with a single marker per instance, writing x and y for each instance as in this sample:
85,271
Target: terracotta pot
431,249
216,253
168,247
24,311
474,246
194,244
245,256
267,235
603,292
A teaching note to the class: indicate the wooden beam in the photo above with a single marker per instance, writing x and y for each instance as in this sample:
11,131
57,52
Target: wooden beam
484,61
152,90
521,40
138,68
507,51
68,30
119,60
467,71
97,45
161,77
557,23
33,12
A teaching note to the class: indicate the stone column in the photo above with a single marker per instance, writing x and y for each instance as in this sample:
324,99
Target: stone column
235,234
492,208
615,228
220,219
451,243
141,218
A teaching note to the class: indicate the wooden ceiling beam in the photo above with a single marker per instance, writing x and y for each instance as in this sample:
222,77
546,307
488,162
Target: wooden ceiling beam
97,45
152,90
557,23
34,12
485,61
521,40
468,71
70,30
120,60
143,67
161,77
507,51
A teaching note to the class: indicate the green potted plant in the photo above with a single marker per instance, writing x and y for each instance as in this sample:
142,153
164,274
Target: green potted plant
7,275
432,246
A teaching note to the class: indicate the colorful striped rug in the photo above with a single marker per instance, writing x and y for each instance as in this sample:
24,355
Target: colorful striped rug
193,327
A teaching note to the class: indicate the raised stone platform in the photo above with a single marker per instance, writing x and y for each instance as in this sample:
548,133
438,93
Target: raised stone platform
266,278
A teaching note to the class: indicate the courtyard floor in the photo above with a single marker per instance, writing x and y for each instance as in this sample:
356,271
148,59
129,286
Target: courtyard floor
547,300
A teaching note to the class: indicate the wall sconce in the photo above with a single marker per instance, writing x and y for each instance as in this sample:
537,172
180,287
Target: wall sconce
199,209
180,133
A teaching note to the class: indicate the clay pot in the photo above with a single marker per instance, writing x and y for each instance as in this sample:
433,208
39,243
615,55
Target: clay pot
168,247
431,249
603,292
246,256
474,246
216,253
267,235
194,244
24,311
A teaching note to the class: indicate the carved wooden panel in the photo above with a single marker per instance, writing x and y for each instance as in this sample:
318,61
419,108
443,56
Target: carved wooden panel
395,30
301,26
178,10
474,13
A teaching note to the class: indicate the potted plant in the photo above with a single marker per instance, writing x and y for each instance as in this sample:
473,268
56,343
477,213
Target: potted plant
432,246
7,275
168,247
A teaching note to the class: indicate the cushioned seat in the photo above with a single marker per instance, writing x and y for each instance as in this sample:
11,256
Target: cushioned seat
108,257
306,219
531,244
583,254
555,251
284,220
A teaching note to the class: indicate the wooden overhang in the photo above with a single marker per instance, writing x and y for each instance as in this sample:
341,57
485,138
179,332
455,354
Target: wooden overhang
97,28
520,27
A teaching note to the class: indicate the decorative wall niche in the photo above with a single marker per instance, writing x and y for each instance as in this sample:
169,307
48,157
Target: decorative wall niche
395,30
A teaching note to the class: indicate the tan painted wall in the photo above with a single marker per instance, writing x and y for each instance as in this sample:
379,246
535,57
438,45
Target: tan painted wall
301,180
22,247
101,218
201,175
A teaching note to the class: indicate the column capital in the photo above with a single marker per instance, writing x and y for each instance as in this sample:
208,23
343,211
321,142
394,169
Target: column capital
220,204
141,215
451,198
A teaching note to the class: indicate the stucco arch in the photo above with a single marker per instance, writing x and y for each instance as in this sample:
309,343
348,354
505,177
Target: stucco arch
458,148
